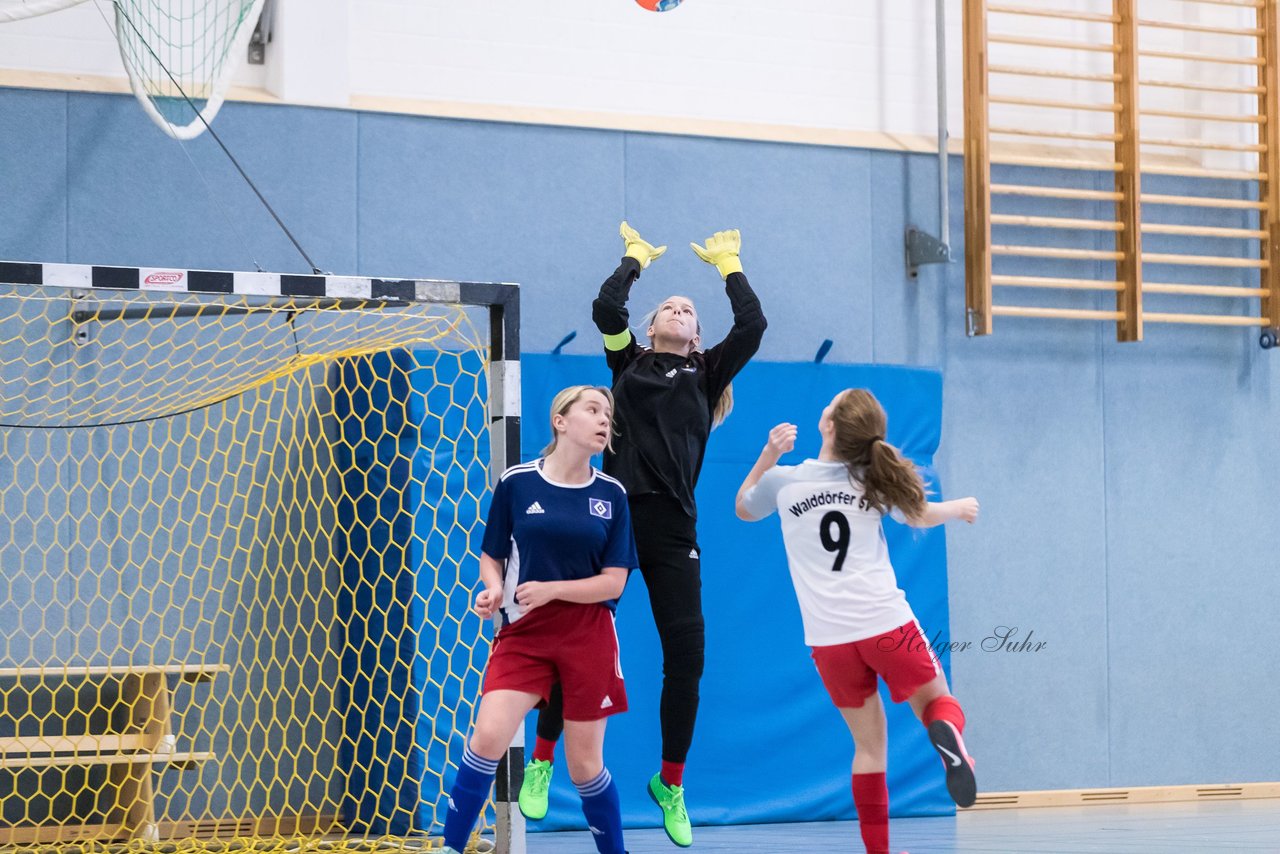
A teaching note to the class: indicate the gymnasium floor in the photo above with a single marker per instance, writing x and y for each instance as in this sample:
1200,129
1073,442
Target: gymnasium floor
1155,829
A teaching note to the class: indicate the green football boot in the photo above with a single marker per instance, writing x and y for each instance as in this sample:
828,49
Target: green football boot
675,818
533,793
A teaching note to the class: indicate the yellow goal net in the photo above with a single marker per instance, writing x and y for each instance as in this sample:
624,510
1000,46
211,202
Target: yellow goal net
239,522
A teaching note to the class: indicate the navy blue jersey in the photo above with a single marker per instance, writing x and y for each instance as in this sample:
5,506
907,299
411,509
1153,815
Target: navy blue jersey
548,531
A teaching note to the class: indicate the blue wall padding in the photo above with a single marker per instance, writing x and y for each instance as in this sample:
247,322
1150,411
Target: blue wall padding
412,196
769,745
410,458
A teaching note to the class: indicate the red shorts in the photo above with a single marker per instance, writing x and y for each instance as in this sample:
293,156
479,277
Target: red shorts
901,657
566,642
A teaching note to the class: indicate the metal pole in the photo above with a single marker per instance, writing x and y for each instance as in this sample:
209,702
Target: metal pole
923,248
944,201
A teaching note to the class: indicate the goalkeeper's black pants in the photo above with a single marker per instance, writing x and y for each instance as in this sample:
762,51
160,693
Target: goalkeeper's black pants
667,542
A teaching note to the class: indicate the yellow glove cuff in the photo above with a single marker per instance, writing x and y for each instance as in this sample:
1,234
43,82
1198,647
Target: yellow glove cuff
729,264
618,341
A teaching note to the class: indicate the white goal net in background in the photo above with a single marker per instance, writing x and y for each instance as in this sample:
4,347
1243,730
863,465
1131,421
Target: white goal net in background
180,55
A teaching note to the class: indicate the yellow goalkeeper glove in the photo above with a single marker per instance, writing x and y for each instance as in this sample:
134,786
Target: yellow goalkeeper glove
722,249
637,247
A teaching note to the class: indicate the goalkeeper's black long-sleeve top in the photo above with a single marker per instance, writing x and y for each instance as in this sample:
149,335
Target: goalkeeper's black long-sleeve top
665,401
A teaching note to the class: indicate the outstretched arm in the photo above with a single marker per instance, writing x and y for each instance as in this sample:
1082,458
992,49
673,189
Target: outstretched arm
940,512
732,354
748,317
609,311
781,440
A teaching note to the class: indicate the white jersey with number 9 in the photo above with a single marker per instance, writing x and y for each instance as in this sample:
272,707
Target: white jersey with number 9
836,551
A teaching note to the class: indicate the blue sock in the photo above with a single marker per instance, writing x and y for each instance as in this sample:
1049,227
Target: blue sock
470,791
604,813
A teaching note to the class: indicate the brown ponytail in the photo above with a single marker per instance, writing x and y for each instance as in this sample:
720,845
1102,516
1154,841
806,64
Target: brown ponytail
888,479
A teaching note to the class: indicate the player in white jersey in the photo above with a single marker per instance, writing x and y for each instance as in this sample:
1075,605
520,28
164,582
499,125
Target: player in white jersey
855,616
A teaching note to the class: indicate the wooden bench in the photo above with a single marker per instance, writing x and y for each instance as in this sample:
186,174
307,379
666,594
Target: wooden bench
145,742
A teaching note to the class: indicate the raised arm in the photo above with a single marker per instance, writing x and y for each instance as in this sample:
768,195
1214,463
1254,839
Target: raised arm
728,357
781,440
940,512
609,311
748,317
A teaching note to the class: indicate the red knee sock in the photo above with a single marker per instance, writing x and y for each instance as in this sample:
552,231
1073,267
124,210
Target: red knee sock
544,750
673,773
946,708
871,799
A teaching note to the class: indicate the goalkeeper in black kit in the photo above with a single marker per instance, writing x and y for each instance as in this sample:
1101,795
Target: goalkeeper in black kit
670,395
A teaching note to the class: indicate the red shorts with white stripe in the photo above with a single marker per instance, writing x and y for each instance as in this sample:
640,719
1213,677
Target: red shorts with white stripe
566,642
901,657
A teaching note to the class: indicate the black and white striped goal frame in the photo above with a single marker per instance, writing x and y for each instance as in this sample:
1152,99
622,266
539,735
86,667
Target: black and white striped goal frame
503,302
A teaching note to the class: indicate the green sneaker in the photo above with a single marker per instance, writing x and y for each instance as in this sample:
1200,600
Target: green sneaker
533,792
675,819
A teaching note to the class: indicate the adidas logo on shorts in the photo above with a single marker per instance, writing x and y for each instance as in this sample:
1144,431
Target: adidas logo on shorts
693,553
606,703
535,507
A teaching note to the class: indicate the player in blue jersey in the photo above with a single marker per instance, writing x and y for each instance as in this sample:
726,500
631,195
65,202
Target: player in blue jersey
856,618
557,549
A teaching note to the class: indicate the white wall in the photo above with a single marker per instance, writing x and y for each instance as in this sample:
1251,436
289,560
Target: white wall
807,63
811,64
